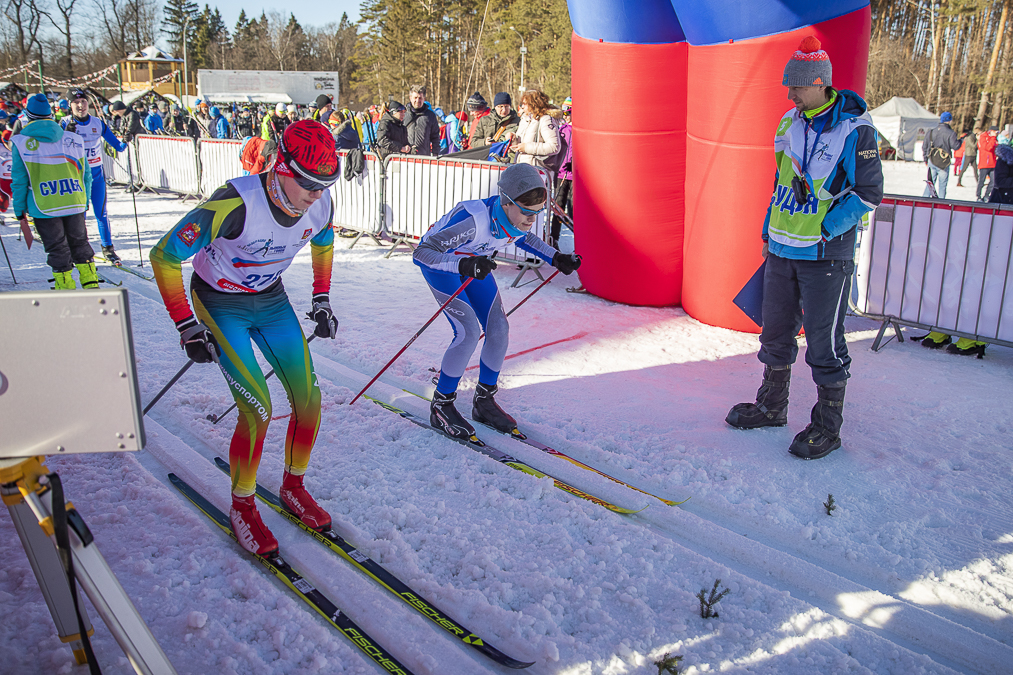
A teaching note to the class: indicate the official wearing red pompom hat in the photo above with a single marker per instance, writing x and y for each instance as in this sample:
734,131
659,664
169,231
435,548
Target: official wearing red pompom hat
828,176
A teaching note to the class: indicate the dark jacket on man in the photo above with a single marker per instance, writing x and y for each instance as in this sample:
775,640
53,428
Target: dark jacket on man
505,125
1002,179
391,135
133,125
945,140
423,130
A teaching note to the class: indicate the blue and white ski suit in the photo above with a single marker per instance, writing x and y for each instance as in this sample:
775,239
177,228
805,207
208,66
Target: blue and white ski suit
95,133
478,227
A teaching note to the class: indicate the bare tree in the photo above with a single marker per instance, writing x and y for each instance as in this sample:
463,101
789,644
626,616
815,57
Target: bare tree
26,16
64,8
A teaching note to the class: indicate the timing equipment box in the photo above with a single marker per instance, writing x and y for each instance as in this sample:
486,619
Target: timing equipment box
68,379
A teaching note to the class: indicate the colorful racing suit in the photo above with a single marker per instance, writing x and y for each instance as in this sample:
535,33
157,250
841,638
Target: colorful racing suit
95,133
243,242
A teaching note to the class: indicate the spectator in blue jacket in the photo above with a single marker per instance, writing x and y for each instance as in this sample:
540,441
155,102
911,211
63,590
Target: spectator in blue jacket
219,125
153,121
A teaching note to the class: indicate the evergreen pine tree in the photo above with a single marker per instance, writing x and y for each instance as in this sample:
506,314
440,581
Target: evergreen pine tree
175,16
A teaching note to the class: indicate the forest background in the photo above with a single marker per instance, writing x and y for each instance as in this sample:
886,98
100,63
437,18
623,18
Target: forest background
954,55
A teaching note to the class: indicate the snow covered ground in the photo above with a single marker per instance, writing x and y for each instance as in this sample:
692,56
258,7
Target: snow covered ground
911,574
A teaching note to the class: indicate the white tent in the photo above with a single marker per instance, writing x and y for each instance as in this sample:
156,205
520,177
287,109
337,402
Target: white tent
904,122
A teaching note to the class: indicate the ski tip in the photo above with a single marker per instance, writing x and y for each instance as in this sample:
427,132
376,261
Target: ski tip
674,503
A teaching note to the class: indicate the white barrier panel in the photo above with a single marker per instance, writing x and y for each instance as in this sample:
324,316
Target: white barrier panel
941,265
116,168
169,163
357,201
419,191
219,161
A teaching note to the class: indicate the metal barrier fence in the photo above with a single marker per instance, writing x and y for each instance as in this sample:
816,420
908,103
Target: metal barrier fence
418,191
168,163
357,201
938,265
116,168
219,161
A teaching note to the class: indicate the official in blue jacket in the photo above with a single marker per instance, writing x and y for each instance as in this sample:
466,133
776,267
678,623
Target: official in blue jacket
828,177
219,125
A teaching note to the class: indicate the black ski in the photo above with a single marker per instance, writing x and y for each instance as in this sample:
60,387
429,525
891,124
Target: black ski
314,598
504,458
333,541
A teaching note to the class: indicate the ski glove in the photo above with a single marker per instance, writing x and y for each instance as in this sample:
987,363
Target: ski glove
327,324
197,340
567,263
477,266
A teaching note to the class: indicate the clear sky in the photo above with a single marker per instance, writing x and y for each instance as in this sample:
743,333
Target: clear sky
307,13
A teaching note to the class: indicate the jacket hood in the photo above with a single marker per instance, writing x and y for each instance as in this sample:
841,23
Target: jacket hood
1005,153
44,130
848,105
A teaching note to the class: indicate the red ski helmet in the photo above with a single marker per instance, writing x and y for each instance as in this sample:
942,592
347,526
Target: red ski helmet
307,155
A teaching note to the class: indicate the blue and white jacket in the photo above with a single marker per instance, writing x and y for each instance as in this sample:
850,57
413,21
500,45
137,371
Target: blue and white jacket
844,174
478,227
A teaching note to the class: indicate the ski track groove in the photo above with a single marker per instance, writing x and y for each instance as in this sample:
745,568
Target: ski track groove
947,641
754,553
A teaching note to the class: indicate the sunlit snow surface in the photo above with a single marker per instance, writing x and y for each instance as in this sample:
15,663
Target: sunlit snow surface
911,574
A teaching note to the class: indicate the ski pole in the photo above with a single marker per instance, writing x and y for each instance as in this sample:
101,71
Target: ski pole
133,196
168,386
414,337
8,260
215,419
527,297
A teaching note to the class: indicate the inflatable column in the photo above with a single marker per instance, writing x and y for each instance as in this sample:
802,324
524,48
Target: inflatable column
629,148
684,147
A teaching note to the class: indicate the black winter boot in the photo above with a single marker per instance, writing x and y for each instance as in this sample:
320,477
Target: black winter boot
771,407
110,255
444,417
823,435
487,411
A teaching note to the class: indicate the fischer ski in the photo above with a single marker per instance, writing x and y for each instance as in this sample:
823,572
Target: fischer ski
504,458
518,436
338,545
314,598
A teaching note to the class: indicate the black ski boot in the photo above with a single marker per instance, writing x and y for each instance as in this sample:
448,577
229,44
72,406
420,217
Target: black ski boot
823,435
444,417
110,255
487,411
771,407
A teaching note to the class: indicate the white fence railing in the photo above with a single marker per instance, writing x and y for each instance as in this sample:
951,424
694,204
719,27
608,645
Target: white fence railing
219,161
939,265
401,197
168,163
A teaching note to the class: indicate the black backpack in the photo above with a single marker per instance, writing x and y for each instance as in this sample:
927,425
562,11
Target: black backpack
939,157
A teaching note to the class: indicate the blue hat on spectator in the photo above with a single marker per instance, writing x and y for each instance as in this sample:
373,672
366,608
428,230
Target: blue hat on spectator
38,108
3,115
64,105
197,102
945,117
215,112
502,98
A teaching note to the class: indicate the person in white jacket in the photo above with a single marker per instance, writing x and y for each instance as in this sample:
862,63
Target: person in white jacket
537,137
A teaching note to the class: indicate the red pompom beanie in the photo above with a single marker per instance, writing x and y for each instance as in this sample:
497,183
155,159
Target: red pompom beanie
809,66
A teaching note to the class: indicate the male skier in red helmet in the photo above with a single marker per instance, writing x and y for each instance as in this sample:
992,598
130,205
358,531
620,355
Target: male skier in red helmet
243,238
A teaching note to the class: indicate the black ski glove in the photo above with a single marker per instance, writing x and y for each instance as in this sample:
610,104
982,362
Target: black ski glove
197,340
567,263
477,266
327,324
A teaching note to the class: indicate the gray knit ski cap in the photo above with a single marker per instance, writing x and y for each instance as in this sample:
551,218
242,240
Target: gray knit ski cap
809,66
518,179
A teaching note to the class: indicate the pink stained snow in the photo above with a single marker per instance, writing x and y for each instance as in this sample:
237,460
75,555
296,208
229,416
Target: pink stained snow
910,574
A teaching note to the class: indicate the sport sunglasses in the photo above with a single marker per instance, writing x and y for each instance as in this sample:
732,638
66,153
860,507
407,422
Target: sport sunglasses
524,210
306,180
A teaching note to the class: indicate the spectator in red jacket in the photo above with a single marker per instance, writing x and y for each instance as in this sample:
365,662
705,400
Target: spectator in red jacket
986,161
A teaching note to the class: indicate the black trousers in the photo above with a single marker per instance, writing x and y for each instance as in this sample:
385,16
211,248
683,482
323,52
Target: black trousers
65,240
810,293
563,199
982,175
